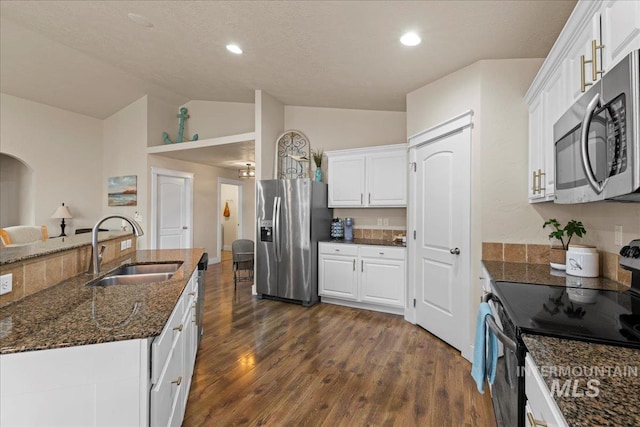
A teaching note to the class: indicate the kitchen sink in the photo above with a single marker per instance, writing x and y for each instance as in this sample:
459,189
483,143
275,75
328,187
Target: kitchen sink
139,274
127,270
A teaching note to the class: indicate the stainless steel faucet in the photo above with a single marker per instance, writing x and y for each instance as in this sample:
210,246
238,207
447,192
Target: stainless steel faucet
96,258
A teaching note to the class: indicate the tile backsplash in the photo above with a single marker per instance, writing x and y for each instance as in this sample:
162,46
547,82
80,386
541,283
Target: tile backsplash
539,254
376,233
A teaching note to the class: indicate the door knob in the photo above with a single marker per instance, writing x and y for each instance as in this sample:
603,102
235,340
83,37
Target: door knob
455,251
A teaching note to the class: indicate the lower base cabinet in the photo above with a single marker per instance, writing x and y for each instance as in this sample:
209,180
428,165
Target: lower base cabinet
365,276
142,382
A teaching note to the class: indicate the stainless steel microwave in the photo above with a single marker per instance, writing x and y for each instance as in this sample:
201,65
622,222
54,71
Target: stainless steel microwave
597,141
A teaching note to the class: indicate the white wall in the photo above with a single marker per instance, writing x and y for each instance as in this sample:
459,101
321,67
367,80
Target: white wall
331,129
64,150
124,152
229,197
269,124
210,119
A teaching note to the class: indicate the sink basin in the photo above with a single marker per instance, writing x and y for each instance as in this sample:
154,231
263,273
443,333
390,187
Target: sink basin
139,273
127,270
133,279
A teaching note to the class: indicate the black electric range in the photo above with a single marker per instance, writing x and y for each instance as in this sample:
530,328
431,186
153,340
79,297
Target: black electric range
593,315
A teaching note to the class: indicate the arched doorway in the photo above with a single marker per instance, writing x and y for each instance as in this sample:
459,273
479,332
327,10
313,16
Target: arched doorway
17,201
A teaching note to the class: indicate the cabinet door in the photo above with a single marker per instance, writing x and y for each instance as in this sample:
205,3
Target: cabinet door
346,181
382,281
337,276
387,178
572,65
555,103
536,148
620,30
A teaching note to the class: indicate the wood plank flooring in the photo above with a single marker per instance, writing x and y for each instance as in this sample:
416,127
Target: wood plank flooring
265,362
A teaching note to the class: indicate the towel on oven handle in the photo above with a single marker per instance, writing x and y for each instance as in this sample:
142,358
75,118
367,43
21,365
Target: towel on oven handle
485,352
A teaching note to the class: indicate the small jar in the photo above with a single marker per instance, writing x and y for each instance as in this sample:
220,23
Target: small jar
583,261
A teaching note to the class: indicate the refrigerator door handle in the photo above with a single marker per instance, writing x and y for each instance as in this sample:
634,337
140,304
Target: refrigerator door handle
276,227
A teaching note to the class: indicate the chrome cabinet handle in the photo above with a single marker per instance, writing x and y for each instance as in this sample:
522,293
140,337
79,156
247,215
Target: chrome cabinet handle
594,58
178,381
455,251
354,264
534,189
369,198
192,293
178,328
362,266
361,198
535,423
540,175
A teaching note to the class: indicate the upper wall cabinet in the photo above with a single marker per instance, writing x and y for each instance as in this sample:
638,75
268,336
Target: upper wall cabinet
597,35
368,177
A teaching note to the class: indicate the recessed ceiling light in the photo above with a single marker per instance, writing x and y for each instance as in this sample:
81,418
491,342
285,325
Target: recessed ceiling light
410,39
140,20
234,48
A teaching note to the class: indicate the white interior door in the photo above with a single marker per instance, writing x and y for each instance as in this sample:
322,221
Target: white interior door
172,209
441,261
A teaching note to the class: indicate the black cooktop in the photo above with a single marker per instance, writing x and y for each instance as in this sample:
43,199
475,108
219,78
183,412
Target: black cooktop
607,317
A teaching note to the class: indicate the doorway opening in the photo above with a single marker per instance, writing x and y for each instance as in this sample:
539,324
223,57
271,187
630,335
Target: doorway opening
230,215
17,194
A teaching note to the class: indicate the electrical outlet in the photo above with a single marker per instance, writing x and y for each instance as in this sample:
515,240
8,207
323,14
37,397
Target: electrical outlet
6,283
123,245
380,221
128,243
618,235
385,222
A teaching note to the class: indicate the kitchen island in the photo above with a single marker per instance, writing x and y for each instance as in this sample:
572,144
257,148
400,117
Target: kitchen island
79,354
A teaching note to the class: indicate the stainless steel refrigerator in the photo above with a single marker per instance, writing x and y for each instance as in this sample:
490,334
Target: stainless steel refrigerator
292,216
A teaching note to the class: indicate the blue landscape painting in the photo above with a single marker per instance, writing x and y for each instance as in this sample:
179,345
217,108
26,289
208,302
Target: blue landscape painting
123,190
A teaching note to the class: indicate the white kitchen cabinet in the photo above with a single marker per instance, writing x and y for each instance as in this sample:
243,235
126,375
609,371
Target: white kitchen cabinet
382,270
541,407
601,33
346,180
620,30
368,177
173,367
363,276
91,385
337,276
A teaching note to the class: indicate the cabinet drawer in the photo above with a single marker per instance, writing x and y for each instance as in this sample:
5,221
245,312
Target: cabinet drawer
346,249
162,343
382,252
166,394
539,401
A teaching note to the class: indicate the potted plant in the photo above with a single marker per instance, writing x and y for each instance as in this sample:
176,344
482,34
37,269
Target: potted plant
558,253
317,159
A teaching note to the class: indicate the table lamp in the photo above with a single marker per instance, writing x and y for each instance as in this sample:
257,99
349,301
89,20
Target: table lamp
62,212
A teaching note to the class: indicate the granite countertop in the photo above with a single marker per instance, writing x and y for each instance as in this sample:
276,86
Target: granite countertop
9,254
72,313
616,370
543,274
373,242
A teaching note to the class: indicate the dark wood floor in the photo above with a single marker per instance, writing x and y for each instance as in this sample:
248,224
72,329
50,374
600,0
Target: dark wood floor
270,363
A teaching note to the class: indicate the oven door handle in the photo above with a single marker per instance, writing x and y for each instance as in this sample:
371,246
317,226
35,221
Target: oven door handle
504,339
584,146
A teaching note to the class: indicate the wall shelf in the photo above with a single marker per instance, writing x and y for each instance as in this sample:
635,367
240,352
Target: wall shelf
223,151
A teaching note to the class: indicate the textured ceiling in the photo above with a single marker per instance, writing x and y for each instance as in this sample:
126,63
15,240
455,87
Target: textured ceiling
88,57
